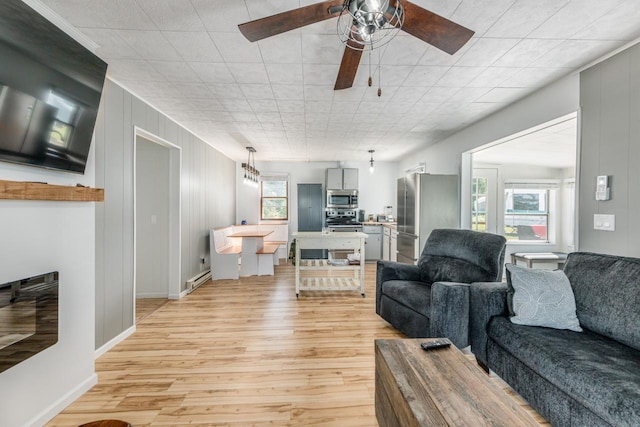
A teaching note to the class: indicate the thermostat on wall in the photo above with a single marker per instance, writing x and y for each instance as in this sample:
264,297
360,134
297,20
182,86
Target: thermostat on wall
602,187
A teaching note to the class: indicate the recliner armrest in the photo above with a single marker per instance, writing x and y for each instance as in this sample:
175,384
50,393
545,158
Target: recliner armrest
449,312
487,299
389,270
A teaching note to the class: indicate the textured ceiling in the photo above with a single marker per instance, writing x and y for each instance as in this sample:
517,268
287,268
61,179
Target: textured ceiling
188,59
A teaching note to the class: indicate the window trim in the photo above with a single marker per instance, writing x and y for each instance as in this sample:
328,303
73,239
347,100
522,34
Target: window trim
552,187
263,198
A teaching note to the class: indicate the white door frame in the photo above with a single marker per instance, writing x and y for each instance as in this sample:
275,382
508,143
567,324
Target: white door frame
175,212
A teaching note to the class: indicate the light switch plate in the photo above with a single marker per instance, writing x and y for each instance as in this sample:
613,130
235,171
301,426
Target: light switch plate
604,222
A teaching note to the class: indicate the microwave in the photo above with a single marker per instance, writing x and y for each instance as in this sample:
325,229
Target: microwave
342,199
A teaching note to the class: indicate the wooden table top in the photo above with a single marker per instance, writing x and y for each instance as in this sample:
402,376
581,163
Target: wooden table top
442,388
254,233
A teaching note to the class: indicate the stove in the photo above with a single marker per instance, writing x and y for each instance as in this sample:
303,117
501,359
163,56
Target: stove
342,220
344,228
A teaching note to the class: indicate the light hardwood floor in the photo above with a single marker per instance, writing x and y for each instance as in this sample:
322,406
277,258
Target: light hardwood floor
244,352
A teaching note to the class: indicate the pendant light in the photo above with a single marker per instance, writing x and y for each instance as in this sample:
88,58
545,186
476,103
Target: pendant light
251,174
371,168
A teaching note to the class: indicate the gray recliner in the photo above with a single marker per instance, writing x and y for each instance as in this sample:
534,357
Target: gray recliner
431,299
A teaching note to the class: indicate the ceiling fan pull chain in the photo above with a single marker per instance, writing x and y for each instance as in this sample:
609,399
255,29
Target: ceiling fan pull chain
379,73
370,78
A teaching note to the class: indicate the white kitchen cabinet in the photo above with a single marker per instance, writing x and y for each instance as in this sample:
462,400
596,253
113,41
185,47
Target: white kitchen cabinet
342,179
374,242
393,246
386,242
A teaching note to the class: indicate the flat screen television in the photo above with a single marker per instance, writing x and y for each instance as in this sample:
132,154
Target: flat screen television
50,88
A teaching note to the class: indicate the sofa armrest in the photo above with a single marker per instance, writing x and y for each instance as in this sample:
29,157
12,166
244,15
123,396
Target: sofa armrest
487,299
389,270
449,312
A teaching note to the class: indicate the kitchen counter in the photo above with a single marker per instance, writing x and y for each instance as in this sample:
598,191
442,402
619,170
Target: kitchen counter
391,225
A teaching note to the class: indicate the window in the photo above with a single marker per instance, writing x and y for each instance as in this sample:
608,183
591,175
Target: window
62,129
479,204
274,203
526,214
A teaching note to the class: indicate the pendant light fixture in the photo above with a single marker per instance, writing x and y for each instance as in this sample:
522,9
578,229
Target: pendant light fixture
371,168
251,174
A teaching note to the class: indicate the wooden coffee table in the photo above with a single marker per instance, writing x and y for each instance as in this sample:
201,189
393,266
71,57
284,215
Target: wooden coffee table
439,387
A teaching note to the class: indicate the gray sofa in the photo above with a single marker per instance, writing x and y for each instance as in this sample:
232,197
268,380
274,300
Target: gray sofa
431,299
589,378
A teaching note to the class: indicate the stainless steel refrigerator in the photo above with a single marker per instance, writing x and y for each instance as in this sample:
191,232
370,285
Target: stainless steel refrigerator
425,202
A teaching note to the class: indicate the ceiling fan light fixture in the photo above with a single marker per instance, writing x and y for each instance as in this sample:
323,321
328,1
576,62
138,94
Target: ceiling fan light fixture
369,23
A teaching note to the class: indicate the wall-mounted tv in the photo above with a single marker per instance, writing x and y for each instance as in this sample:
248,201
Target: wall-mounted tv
50,88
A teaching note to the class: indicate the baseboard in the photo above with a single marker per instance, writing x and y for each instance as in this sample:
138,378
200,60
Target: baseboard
63,402
114,341
152,295
180,295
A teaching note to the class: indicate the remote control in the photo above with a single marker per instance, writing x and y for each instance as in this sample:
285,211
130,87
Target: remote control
432,345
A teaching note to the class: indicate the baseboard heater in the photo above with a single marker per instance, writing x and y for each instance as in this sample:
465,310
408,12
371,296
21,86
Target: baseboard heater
198,280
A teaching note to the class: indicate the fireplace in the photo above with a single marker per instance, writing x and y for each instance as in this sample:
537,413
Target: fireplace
28,317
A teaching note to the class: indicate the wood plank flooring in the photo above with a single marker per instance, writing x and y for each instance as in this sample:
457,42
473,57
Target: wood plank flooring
244,352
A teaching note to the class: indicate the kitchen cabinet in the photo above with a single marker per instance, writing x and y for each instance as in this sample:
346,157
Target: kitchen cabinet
374,242
342,179
310,213
393,246
386,242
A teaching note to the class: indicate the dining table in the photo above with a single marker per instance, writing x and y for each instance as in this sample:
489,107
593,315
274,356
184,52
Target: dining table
252,242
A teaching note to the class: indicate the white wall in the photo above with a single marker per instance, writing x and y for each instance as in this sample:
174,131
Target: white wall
553,101
38,237
376,190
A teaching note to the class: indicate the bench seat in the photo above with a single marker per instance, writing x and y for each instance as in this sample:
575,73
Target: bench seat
268,248
225,254
230,250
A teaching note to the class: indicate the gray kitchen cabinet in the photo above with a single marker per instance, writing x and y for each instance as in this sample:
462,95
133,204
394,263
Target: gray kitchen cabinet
342,179
334,179
310,214
373,250
350,179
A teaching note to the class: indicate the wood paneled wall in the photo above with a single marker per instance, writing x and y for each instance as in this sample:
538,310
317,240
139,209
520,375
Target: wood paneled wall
208,200
610,145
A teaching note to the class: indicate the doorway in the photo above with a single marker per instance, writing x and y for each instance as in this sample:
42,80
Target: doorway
156,223
523,187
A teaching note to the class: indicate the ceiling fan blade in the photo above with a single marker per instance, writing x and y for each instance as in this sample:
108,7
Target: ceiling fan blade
348,66
434,29
290,20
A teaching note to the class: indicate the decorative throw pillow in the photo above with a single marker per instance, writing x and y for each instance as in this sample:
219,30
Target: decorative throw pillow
542,298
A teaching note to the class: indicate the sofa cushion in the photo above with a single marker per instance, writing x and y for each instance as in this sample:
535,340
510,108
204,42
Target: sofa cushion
607,293
462,256
414,295
541,298
596,371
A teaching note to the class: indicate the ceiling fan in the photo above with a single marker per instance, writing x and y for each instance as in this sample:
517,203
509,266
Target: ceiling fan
366,19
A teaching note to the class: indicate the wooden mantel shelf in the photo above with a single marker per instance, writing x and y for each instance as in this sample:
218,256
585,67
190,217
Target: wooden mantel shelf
18,190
